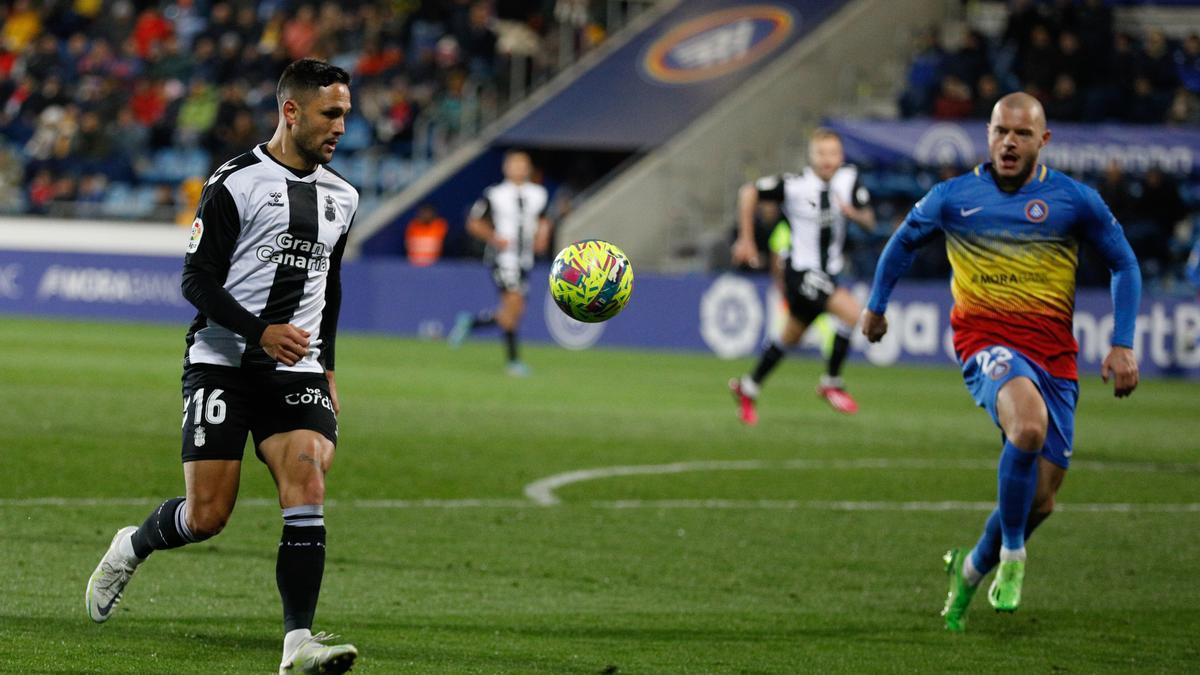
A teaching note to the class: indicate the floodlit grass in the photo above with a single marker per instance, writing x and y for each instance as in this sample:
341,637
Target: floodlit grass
630,574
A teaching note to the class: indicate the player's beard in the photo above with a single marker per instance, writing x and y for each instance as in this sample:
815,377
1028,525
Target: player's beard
309,146
1014,181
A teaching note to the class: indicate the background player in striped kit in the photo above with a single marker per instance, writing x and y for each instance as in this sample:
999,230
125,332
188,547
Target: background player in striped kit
817,205
1012,229
263,269
511,218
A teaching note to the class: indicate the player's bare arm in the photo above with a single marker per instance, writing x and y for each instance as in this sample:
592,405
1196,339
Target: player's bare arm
776,264
285,343
744,249
541,238
1121,366
874,326
864,216
483,230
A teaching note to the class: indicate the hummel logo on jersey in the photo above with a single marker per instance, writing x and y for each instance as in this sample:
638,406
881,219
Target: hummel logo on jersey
221,171
276,199
970,212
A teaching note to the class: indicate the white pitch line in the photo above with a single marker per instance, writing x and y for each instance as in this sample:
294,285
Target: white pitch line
797,505
542,491
436,503
71,502
632,504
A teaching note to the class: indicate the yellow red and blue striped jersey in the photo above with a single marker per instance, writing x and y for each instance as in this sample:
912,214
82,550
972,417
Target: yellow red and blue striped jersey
1014,256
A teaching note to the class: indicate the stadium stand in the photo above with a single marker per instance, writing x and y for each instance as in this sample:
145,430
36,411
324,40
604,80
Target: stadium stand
110,106
1092,62
114,108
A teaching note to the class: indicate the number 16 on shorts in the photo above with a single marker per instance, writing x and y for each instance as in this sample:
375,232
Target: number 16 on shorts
204,409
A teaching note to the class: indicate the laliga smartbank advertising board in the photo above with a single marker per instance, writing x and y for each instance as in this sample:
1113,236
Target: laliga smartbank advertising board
737,312
727,315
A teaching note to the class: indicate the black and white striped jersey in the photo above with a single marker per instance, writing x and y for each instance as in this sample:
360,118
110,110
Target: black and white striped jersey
266,248
812,208
514,211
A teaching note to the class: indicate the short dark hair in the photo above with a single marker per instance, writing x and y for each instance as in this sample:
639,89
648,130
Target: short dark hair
308,75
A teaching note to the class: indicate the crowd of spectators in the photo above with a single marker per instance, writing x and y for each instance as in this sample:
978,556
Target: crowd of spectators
154,94
1070,55
1084,68
1155,209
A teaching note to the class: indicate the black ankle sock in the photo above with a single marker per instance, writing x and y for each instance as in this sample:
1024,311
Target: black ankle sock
510,338
841,347
164,528
767,362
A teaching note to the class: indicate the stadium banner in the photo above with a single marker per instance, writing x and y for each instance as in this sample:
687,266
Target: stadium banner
669,74
728,315
1073,147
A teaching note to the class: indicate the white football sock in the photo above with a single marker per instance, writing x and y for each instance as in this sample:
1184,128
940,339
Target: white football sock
749,387
125,548
1008,554
292,640
970,574
830,381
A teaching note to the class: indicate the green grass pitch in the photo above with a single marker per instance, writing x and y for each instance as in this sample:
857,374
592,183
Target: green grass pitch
819,551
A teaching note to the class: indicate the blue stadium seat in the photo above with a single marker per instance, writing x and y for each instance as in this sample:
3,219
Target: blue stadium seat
123,201
172,165
358,135
354,167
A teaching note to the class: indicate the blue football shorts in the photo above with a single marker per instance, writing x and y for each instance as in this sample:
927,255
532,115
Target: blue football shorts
990,368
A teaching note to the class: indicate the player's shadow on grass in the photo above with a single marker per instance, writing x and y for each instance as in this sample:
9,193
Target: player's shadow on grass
877,631
129,632
221,550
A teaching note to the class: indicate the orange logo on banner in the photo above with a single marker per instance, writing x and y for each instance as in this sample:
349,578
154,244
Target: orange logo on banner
719,43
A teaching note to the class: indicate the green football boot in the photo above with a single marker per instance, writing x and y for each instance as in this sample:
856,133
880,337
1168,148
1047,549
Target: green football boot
1005,593
959,597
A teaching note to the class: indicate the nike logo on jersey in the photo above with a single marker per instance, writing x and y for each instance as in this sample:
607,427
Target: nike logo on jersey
970,212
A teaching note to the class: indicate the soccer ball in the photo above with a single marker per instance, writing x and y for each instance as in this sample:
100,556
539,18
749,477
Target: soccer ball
591,280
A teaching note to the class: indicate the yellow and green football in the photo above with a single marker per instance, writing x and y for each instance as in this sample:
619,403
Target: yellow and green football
591,280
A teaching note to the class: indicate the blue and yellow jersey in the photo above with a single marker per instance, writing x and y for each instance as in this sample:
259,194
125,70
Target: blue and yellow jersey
1014,257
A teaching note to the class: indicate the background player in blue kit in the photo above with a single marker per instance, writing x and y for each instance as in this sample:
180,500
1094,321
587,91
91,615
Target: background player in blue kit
1012,229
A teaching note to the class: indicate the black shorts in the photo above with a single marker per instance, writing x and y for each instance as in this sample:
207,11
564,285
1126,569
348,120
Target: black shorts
510,279
807,292
221,405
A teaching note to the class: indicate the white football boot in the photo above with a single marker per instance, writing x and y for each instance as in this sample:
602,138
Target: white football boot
311,656
107,583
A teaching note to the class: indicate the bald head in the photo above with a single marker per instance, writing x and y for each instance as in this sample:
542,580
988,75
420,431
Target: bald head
1016,135
1021,103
